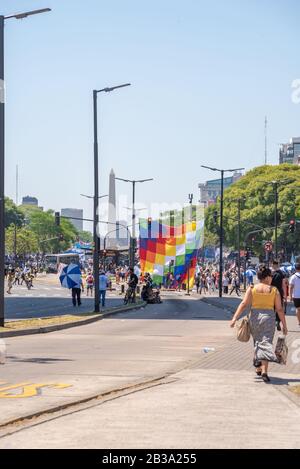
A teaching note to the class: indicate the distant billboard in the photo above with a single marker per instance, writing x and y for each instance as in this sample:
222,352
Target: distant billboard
210,253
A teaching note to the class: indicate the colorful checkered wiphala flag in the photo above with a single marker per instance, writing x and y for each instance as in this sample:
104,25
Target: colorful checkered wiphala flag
171,244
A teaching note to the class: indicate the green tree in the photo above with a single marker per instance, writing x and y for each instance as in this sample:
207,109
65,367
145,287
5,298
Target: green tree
51,238
13,215
85,236
256,192
23,239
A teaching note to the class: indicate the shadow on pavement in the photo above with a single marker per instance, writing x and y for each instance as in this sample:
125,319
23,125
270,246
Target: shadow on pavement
26,308
43,361
176,310
283,381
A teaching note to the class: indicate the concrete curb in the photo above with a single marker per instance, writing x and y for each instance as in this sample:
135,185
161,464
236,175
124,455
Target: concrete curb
82,322
111,393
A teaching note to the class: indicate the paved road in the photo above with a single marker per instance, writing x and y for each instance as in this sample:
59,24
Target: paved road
47,298
215,401
125,348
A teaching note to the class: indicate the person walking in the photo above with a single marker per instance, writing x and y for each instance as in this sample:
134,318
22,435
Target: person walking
103,285
76,292
10,281
203,284
17,276
295,290
225,284
198,281
263,299
89,283
235,285
249,277
132,283
279,281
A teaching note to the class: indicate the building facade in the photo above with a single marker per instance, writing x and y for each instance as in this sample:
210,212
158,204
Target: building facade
28,200
211,190
290,152
76,213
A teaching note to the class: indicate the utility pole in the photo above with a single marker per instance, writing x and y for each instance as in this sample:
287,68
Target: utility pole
239,239
275,185
266,140
17,185
191,197
2,149
96,193
222,171
133,237
2,153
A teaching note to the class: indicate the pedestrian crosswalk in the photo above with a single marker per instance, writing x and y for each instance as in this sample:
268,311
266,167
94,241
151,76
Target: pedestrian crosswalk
38,291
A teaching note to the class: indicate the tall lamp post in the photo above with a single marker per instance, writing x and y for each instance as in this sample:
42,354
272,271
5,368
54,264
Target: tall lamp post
96,193
92,197
17,16
276,184
133,238
222,171
238,201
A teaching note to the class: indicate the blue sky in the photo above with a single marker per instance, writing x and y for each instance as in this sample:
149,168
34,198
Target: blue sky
204,75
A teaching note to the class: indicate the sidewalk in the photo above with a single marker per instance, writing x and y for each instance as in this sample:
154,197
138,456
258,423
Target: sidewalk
202,400
211,405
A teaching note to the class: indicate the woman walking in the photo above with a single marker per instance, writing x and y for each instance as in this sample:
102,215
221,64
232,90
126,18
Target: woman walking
264,300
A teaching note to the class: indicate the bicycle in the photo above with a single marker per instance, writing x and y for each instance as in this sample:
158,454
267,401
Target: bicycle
129,295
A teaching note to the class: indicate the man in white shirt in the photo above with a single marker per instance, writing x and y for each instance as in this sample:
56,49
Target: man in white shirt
103,284
295,290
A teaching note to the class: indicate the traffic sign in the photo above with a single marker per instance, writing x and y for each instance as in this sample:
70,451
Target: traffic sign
268,246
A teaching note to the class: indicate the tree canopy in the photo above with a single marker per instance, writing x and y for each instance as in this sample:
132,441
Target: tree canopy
43,235
13,215
256,191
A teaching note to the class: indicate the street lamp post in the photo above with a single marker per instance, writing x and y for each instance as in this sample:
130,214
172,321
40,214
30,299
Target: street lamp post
238,201
2,150
133,237
92,197
222,171
275,185
96,193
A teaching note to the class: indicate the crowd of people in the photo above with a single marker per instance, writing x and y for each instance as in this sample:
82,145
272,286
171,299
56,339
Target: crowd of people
20,275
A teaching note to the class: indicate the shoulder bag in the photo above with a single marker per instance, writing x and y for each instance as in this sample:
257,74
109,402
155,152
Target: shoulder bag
243,330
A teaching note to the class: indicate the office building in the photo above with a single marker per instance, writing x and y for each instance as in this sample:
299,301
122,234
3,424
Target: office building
28,200
211,190
76,213
290,152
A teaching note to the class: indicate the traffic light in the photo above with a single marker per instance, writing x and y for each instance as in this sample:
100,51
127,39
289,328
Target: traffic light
149,226
215,216
57,218
61,237
292,226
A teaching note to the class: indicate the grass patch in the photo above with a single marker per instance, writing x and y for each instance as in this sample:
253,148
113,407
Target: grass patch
43,322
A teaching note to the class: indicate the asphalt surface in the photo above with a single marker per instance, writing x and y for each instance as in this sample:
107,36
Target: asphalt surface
47,299
205,400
